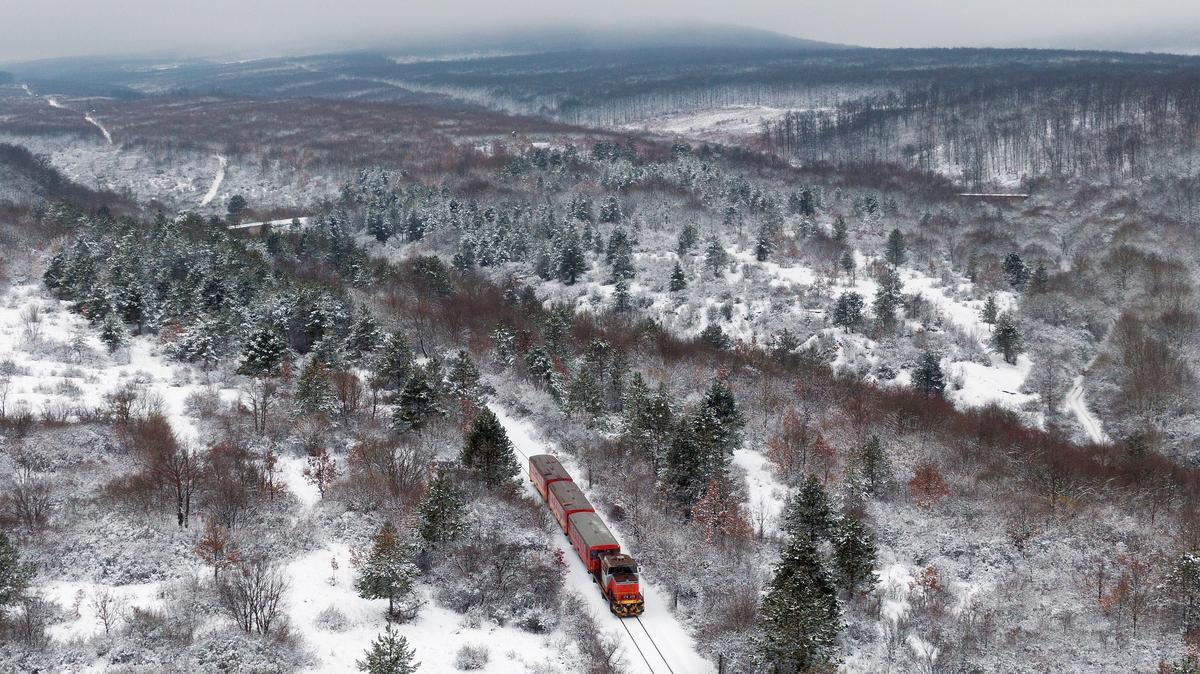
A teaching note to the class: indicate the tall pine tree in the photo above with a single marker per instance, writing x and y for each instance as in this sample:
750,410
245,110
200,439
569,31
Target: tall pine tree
487,452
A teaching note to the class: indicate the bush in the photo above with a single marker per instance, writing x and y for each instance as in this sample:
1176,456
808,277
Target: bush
331,619
470,658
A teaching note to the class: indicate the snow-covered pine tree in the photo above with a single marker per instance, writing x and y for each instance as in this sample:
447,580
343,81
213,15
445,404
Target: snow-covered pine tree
1015,271
463,378
487,452
800,612
848,265
678,280
715,257
928,378
389,653
1006,338
847,311
990,310
443,512
808,513
895,251
417,402
112,333
395,361
364,336
314,390
854,555
688,238
888,297
264,352
571,262
871,465
388,571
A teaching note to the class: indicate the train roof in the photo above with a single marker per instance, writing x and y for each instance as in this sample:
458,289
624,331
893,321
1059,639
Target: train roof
570,496
548,467
592,531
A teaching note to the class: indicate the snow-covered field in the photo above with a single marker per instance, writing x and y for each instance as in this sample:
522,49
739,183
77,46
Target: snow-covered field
726,122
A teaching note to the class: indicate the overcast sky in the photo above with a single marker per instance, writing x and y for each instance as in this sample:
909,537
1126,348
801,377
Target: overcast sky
32,29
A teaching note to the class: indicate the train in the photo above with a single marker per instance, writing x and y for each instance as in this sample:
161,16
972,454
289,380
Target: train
615,573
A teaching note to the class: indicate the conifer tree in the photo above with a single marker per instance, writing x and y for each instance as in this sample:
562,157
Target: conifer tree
650,426
928,377
847,312
443,512
848,265
417,402
388,571
808,513
763,248
1006,338
895,251
395,361
719,399
872,467
264,352
715,257
364,336
990,311
800,612
888,298
463,378
839,230
314,390
389,653
688,238
714,336
112,333
1015,271
571,263
678,280
622,302
854,555
487,452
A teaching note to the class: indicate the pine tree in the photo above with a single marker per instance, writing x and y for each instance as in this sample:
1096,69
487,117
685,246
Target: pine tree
688,238
888,297
112,333
872,467
463,379
714,336
763,248
622,302
928,377
388,571
571,263
1015,271
417,402
610,210
395,362
808,513
854,555
364,335
895,251
990,311
264,352
800,613
314,390
443,512
848,264
388,654
14,576
650,426
719,399
1006,338
847,312
715,257
487,452
678,280
839,230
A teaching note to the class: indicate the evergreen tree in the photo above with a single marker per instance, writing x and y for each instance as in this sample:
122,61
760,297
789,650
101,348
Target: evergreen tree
990,311
364,336
1015,271
872,467
650,426
112,333
715,257
688,238
847,312
463,378
678,280
719,399
587,394
848,265
557,329
388,654
388,571
1039,282
14,576
314,390
808,513
854,555
610,210
417,402
264,352
800,613
622,301
714,336
895,251
1006,338
235,206
928,377
443,512
395,361
571,263
888,298
487,452
839,230
763,248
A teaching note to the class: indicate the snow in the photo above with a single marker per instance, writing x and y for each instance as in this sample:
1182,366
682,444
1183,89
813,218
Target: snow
678,650
734,120
281,222
55,104
217,180
79,599
766,495
91,119
1076,404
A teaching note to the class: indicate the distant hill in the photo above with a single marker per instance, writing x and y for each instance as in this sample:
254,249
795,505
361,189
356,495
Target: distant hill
577,38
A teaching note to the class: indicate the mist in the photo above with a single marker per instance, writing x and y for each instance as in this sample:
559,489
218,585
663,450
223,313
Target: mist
58,28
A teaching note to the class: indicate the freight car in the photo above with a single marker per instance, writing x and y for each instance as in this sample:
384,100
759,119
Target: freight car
614,572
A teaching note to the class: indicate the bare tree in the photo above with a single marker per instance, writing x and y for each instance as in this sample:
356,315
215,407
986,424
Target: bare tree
109,608
253,595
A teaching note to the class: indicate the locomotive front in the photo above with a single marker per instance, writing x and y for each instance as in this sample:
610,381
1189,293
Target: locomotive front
619,578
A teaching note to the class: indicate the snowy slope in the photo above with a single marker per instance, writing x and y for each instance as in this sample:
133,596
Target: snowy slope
676,650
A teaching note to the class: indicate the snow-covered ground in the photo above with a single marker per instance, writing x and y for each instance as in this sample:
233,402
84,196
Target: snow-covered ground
219,178
669,647
734,120
1076,404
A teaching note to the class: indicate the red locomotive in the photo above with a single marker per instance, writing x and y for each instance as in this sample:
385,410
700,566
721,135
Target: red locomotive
614,572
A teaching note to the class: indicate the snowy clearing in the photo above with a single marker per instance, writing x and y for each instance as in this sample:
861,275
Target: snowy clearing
217,180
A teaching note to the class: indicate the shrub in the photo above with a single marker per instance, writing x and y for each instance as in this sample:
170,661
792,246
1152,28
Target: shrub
470,658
